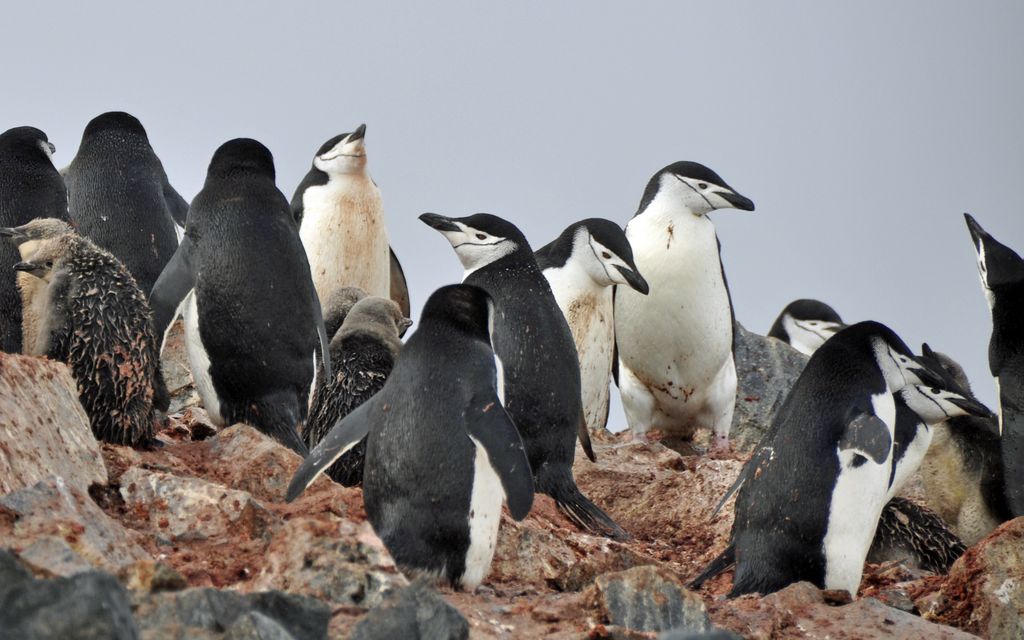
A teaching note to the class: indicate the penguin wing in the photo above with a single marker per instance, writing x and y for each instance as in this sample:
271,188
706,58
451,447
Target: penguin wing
867,435
344,435
174,283
325,355
584,435
399,287
175,203
490,427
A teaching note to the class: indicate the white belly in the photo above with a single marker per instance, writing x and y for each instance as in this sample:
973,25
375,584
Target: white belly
484,518
593,330
199,360
345,238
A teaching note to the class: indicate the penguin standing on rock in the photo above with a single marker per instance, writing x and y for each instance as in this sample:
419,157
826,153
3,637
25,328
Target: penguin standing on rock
806,324
1002,279
363,353
120,198
533,340
582,265
676,370
30,187
253,328
441,451
96,319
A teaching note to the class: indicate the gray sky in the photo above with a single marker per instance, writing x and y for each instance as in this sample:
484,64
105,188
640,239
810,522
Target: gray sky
861,131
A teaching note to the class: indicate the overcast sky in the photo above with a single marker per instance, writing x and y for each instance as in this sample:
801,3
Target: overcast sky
861,132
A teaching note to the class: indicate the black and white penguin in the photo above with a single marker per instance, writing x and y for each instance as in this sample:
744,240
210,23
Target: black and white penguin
96,319
1002,279
30,187
676,370
533,340
363,353
120,198
582,265
817,483
341,220
254,332
806,324
441,450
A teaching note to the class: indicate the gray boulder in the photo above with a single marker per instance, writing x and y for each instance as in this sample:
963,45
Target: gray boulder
649,598
416,612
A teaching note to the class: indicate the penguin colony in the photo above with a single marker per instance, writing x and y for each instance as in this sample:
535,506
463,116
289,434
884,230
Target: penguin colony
294,314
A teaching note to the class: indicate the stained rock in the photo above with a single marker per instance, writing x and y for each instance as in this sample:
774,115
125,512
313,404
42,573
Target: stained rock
649,598
183,508
416,612
526,553
44,431
250,461
175,365
147,575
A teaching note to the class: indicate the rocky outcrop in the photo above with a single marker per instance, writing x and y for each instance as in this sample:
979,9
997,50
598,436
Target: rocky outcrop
416,612
648,599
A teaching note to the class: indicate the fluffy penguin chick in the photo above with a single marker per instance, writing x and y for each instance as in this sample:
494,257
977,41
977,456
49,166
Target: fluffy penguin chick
97,321
363,352
337,306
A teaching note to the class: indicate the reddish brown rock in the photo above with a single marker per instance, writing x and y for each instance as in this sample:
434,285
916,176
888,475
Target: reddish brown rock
648,598
250,461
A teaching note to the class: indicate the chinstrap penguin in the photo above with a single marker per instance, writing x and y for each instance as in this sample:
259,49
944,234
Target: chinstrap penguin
30,187
439,416
254,332
582,266
533,340
120,198
675,345
96,319
1001,271
363,353
806,324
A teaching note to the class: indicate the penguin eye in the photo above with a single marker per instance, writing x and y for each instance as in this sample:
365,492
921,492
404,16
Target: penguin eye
935,390
813,323
606,255
702,185
49,264
481,236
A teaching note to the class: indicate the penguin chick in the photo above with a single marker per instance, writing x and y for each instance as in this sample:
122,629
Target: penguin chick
98,322
337,306
914,535
363,352
806,324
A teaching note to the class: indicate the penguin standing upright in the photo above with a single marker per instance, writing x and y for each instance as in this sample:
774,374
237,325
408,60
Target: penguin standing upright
120,198
533,340
1002,279
253,328
441,450
806,324
676,370
30,187
582,265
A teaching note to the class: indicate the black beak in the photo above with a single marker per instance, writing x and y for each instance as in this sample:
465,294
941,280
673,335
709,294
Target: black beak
358,134
16,235
736,200
973,407
439,222
403,326
977,233
26,266
634,279
927,376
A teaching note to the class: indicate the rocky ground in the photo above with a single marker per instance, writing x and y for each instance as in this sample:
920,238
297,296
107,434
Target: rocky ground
194,540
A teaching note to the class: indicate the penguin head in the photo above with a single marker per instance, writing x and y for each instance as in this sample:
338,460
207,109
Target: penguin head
241,156
26,142
378,317
935,404
114,121
343,154
28,236
479,239
694,187
465,308
806,324
893,358
998,265
603,251
46,258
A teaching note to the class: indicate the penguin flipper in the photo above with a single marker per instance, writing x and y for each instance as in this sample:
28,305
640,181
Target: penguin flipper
1011,441
321,329
174,283
490,427
584,435
868,436
721,562
399,287
175,203
345,434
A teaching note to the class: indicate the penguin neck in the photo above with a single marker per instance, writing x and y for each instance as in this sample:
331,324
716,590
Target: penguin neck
670,225
572,282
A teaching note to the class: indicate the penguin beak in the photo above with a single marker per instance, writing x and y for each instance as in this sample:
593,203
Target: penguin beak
736,200
832,327
977,233
16,235
439,222
28,267
403,326
358,134
634,279
972,407
927,376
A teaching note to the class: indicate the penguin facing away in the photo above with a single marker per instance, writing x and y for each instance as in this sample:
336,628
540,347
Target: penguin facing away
363,353
805,324
1001,271
533,340
676,370
439,416
582,265
96,319
253,328
30,187
120,198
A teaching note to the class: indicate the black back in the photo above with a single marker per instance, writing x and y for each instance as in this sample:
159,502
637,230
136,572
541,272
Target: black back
119,196
30,187
803,309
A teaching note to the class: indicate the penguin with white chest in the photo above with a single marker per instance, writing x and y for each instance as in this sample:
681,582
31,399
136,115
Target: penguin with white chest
1001,271
440,417
253,328
582,265
676,370
533,340
806,324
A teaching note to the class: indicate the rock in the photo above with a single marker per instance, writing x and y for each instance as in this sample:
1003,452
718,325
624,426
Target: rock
416,612
250,461
608,557
183,508
253,625
766,370
85,606
12,572
649,598
330,559
175,365
44,431
50,521
716,634
526,553
147,575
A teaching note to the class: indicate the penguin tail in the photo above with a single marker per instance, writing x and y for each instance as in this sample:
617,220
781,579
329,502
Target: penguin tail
558,483
721,562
